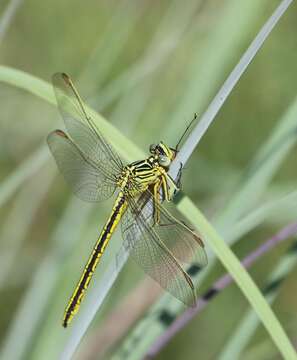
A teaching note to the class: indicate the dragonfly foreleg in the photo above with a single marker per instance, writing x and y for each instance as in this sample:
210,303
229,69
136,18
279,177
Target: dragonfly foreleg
170,187
178,178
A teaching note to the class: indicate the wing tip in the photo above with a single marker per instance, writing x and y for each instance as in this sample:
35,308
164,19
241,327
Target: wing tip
61,75
59,133
66,78
55,133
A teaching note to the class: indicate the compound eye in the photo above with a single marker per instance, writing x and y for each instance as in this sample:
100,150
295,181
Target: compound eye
164,161
152,148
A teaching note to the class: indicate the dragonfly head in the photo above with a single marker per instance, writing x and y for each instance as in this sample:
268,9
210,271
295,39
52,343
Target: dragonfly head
163,153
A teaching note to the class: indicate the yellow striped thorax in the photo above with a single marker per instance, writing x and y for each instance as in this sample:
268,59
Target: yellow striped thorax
139,175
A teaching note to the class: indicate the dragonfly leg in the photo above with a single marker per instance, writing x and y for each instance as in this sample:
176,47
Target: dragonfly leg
157,187
161,183
170,188
178,178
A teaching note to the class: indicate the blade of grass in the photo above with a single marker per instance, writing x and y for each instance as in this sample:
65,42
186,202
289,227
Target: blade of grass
284,204
18,221
111,43
102,340
242,278
263,167
136,344
270,157
7,16
69,271
263,350
34,302
246,328
170,29
217,288
25,170
217,102
278,12
92,304
241,336
209,62
259,215
42,89
125,313
163,43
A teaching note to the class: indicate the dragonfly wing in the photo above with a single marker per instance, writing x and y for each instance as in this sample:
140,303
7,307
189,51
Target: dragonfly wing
87,181
151,253
91,142
180,239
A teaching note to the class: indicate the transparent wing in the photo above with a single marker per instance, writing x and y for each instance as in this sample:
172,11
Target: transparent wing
162,250
90,141
87,181
180,239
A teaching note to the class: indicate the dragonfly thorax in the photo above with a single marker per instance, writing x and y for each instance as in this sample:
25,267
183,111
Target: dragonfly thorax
139,175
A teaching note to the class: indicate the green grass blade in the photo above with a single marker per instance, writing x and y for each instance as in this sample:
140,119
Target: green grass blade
217,102
153,327
263,167
18,221
247,326
7,17
34,303
111,43
241,277
44,90
279,155
26,169
207,69
286,203
241,335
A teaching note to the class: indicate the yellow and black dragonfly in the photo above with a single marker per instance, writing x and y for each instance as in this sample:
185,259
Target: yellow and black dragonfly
161,244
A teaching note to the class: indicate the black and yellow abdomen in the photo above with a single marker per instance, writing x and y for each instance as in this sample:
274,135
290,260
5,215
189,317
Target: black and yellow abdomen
79,292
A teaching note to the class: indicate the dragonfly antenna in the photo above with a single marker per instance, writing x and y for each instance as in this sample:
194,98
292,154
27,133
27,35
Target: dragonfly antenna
184,133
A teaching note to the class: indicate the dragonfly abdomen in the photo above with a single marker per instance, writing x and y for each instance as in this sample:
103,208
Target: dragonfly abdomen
112,222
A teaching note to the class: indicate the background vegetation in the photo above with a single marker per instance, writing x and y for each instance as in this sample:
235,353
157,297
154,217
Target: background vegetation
147,67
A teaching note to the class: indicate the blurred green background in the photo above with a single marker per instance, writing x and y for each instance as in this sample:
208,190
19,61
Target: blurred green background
146,67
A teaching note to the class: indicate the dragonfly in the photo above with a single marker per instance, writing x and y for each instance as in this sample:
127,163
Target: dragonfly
161,245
